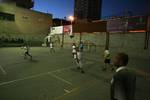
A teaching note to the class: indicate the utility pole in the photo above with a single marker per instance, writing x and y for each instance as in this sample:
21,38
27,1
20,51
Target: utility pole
62,42
107,41
146,44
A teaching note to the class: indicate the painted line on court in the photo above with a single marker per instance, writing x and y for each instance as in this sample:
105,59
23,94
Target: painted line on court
3,70
33,76
76,89
38,75
67,91
73,90
59,78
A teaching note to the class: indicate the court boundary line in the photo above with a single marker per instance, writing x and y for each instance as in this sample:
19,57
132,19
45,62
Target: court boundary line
59,78
71,91
74,90
34,76
3,70
38,75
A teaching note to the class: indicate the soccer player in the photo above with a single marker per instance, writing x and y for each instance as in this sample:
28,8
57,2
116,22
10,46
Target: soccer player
74,50
27,52
81,46
52,50
78,60
106,59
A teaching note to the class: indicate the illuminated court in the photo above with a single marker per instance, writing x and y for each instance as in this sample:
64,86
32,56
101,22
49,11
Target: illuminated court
55,77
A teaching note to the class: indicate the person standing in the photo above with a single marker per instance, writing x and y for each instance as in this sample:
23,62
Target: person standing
74,50
106,59
52,50
78,60
81,45
123,83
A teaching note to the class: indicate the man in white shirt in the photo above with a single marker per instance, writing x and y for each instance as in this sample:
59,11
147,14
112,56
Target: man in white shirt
106,59
78,60
51,45
74,51
123,82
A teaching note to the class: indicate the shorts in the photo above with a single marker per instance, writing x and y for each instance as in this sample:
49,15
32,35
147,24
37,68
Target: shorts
107,61
74,56
27,53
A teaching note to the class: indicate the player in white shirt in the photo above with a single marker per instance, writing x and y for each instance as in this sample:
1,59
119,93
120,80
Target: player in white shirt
78,60
74,50
107,59
51,45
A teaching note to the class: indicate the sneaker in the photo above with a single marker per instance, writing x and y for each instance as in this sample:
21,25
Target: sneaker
82,72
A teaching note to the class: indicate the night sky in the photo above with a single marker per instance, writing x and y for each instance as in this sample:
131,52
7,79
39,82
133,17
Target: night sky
62,8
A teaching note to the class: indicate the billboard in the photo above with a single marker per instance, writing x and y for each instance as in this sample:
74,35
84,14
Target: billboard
137,23
57,30
90,27
131,24
67,29
115,25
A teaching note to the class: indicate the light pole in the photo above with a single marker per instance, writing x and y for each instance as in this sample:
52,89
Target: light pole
71,19
62,43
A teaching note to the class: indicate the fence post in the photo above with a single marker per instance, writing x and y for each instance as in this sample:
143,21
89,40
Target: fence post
107,40
80,38
146,43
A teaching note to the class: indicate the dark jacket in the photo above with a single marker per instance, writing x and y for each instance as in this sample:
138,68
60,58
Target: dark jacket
123,85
